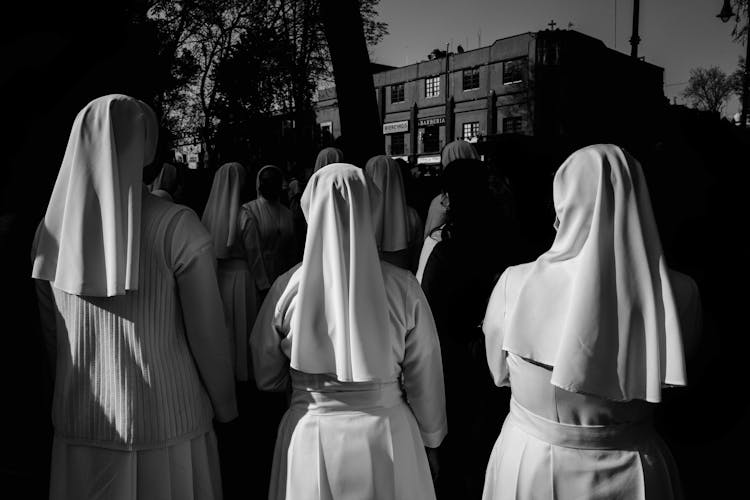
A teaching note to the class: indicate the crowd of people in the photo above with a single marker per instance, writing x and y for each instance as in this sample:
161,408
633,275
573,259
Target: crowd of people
322,342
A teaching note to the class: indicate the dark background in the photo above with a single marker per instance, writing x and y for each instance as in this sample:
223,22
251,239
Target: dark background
56,57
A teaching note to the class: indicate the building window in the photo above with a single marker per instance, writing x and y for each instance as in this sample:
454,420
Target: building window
397,93
432,86
398,144
470,130
513,125
513,71
471,79
431,139
326,133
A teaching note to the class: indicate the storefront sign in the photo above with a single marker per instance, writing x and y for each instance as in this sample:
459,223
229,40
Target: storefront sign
426,122
428,160
405,158
396,127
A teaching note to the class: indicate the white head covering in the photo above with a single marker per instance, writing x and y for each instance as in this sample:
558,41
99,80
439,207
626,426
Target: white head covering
598,306
341,314
257,179
458,149
166,180
328,156
221,215
89,241
392,209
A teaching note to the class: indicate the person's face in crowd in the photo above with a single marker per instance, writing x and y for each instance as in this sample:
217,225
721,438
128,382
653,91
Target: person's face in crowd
270,184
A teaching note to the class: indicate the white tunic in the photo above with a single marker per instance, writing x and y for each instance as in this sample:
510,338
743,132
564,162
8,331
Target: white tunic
357,439
587,336
566,445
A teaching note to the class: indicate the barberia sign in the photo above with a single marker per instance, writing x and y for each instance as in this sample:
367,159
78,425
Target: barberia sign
426,122
396,127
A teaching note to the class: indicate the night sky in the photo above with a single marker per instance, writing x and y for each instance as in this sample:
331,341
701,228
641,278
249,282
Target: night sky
675,34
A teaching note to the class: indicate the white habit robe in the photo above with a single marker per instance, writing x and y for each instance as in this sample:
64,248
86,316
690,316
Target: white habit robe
587,336
356,341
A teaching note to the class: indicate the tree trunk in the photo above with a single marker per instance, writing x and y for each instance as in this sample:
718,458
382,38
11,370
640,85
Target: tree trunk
361,132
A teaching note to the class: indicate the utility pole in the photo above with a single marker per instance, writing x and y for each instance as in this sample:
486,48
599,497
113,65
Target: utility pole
635,39
449,127
447,71
358,107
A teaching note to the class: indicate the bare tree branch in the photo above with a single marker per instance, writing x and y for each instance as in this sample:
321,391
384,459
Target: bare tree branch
708,89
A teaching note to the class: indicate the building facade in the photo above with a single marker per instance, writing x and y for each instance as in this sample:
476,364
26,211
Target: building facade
549,83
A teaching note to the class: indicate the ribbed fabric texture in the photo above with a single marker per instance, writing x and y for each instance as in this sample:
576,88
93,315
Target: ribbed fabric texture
125,376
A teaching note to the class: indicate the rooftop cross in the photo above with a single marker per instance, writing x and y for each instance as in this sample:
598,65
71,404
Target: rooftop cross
552,25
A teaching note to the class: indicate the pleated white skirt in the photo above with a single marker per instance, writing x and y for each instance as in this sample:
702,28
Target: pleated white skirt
240,307
187,470
350,445
536,458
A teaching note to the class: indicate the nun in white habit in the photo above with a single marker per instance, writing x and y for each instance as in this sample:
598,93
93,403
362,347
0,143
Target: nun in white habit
397,222
587,336
273,226
355,339
131,312
235,243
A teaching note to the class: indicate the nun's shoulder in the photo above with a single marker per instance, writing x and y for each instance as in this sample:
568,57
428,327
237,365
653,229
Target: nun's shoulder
395,277
513,275
283,291
248,206
519,270
289,277
176,219
156,206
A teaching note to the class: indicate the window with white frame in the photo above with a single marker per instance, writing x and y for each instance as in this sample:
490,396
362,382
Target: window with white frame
326,133
513,70
432,86
470,130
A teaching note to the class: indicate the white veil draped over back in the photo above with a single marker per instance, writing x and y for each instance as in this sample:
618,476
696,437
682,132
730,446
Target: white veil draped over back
340,319
598,306
221,215
391,208
89,241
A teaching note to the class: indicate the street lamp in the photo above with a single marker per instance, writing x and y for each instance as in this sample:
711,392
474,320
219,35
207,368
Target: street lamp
725,15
